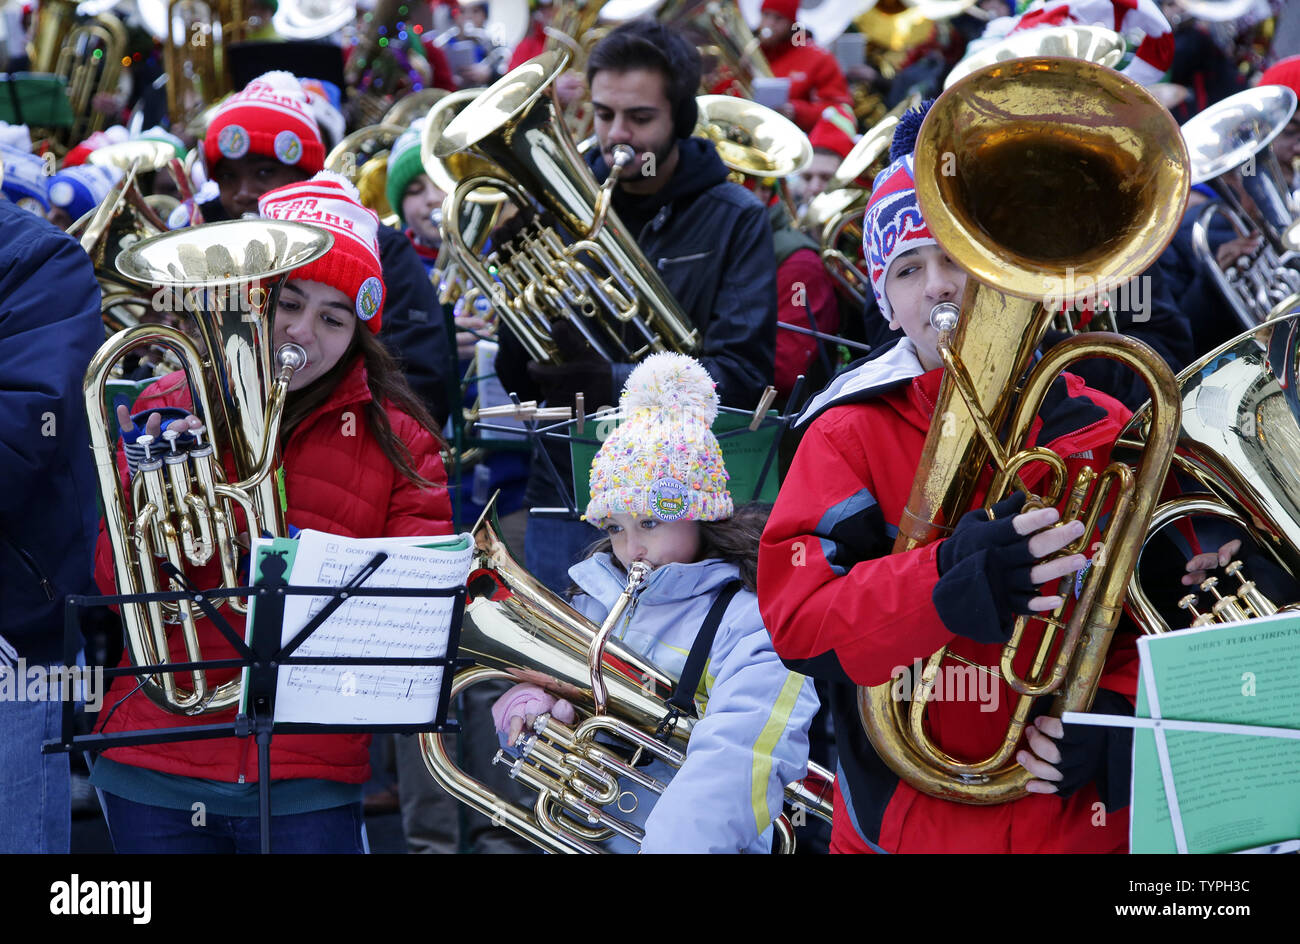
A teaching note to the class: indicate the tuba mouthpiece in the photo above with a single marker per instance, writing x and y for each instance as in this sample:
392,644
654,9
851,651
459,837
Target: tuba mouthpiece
291,355
943,316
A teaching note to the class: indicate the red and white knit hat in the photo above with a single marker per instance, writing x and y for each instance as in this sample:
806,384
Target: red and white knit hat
271,117
352,265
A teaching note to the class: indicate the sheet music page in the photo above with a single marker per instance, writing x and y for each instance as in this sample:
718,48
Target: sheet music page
370,627
1234,791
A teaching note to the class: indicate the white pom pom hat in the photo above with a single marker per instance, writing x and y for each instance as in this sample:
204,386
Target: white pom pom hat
662,460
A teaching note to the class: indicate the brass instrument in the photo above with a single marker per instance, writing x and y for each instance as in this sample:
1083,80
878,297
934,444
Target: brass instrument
1239,434
727,34
754,141
1037,142
91,62
413,105
312,19
182,510
834,216
600,283
54,20
362,157
193,35
519,631
1093,43
1230,143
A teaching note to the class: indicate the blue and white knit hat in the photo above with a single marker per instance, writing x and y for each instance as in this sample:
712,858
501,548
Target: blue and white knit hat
78,190
25,183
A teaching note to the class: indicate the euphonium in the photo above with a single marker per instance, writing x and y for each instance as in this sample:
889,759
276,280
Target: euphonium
834,216
518,631
1231,147
599,282
1060,169
181,509
1240,443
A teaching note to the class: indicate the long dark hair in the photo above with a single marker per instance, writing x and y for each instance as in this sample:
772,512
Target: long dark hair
387,387
734,540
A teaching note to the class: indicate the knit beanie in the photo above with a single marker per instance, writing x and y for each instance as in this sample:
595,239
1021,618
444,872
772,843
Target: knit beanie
78,190
836,130
25,182
352,265
892,224
1283,72
269,117
403,165
786,8
662,460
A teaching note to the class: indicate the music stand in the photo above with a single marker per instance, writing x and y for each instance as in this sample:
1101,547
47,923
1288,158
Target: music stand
263,660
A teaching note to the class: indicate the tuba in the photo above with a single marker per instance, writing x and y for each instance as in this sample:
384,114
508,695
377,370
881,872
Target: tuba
181,509
1037,142
519,631
1230,143
597,280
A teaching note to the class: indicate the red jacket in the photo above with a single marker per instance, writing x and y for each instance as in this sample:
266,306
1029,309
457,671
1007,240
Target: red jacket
841,607
802,287
532,45
337,479
815,81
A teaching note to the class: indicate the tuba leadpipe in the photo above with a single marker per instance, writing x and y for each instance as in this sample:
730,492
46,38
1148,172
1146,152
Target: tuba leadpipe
1039,119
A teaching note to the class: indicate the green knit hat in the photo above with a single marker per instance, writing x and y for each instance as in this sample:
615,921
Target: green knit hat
403,165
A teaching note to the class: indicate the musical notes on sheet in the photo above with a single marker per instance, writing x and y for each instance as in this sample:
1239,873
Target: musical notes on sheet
370,628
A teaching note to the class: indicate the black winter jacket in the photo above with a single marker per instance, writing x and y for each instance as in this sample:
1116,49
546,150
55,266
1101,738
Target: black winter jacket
49,330
711,243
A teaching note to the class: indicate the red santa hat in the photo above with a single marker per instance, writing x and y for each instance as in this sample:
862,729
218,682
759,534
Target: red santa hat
786,8
1284,72
836,130
352,265
271,117
1153,56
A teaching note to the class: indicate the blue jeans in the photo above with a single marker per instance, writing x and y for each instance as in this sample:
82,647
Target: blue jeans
137,828
553,545
35,791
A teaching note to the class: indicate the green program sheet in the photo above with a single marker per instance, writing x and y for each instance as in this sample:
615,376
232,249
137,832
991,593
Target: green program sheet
1233,791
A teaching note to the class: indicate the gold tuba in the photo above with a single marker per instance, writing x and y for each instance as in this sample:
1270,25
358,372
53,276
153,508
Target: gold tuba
518,631
181,509
599,282
1062,169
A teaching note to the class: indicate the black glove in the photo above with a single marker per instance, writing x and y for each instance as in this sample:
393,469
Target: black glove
583,371
560,383
1090,752
984,574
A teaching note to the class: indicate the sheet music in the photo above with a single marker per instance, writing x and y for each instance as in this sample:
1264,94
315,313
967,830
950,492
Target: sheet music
369,627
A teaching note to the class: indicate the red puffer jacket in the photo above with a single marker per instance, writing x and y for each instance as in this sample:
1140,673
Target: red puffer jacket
840,606
815,81
337,479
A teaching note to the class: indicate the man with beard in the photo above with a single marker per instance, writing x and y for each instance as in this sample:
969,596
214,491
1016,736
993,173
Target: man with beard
708,239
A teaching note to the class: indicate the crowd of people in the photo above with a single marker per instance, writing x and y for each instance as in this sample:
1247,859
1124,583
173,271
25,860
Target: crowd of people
771,617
